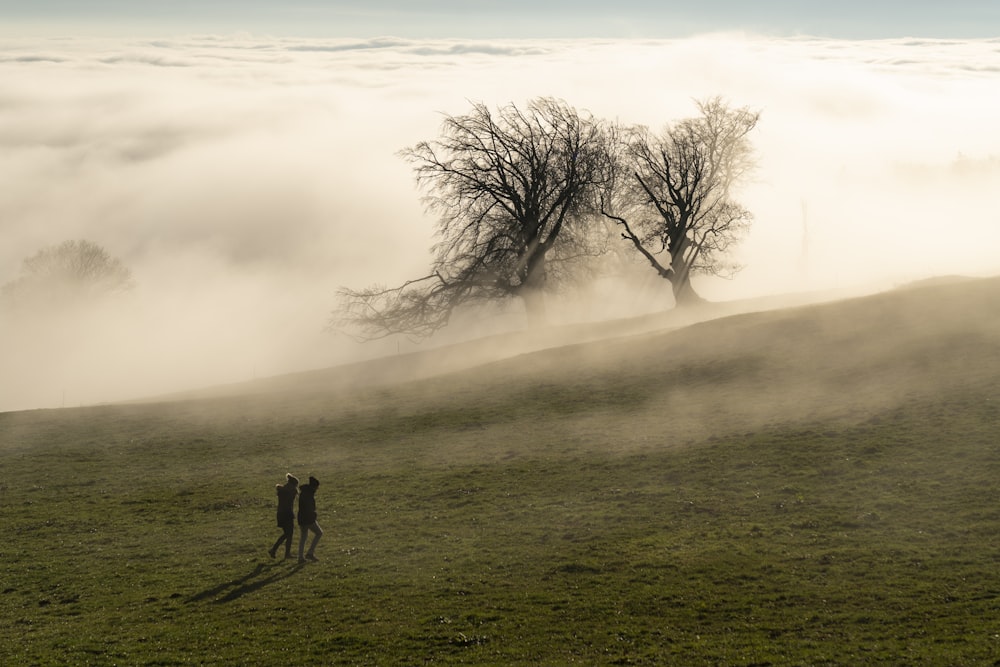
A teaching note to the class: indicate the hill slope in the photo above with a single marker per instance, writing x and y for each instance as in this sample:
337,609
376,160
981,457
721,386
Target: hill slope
810,486
840,361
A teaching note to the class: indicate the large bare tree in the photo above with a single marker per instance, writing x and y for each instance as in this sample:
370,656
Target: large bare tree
69,273
509,188
672,193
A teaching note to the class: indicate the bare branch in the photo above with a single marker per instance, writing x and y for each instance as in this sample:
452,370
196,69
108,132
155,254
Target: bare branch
506,186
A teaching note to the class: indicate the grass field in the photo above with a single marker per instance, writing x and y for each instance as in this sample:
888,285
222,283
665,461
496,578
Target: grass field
815,486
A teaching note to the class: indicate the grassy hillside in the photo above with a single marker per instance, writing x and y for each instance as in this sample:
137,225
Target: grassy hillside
810,486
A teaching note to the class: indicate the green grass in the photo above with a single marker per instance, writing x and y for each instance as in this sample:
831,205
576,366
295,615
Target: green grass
715,496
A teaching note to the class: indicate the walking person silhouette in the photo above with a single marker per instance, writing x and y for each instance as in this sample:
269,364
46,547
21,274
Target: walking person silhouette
286,514
307,519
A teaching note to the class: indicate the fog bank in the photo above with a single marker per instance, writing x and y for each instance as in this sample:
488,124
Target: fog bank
244,179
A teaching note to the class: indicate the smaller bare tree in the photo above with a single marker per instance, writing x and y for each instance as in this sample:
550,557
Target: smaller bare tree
71,272
672,193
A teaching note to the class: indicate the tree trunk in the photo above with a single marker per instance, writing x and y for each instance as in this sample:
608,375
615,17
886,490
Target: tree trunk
680,274
532,292
684,294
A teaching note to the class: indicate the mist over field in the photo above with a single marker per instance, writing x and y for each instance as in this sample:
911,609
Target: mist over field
244,179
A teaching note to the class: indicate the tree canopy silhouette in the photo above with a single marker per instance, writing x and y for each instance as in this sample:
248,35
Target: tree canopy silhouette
512,190
71,272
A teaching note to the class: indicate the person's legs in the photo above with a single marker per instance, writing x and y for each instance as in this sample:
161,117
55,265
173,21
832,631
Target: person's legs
303,533
319,533
286,537
274,549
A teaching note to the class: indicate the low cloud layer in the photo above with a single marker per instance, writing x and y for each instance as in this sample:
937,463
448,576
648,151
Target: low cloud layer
245,179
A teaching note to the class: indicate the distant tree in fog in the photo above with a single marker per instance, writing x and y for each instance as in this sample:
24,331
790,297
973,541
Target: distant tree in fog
514,190
70,272
672,193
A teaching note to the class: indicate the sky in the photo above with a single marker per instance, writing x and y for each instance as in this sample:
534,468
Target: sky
244,164
846,19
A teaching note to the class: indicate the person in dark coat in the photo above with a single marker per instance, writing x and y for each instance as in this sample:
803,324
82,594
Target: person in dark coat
307,519
286,514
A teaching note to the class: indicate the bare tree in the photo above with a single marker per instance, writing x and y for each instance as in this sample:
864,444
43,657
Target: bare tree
672,193
512,189
72,271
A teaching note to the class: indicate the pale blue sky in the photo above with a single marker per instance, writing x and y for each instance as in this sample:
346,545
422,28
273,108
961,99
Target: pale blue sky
852,19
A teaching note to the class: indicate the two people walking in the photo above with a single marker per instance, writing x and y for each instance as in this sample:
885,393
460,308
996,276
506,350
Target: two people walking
307,517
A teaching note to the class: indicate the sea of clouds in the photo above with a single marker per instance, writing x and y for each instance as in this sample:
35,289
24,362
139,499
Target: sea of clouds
244,179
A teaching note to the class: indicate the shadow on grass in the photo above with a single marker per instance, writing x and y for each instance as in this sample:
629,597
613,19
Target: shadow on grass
262,575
